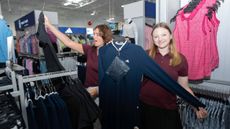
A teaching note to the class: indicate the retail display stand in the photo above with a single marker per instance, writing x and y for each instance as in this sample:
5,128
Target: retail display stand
26,29
13,85
30,78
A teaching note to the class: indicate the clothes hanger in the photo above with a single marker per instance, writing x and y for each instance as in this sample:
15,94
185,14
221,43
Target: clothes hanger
174,17
38,92
191,6
119,40
52,87
148,25
43,7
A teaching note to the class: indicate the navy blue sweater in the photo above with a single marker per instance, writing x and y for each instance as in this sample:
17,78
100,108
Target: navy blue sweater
119,103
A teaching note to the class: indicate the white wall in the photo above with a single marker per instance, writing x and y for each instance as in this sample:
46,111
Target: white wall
133,10
223,38
166,9
183,2
53,16
136,12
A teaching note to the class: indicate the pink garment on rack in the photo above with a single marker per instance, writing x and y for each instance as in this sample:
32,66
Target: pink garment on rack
52,37
211,52
29,66
35,45
148,38
214,49
193,37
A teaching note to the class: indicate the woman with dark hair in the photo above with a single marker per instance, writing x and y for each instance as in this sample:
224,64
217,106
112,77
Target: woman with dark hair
102,35
158,106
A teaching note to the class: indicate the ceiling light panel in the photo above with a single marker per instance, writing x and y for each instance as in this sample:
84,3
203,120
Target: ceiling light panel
78,3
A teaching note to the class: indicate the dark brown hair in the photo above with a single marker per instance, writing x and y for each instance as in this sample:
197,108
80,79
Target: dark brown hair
105,32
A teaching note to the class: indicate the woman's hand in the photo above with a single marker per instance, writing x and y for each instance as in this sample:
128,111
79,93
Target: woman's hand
93,91
202,113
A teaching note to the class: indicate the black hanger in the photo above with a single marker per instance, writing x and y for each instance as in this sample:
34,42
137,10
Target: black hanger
191,6
174,17
148,25
43,7
130,21
213,9
118,38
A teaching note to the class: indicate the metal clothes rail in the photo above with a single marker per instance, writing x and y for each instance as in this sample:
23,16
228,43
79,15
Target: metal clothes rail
24,79
13,84
213,88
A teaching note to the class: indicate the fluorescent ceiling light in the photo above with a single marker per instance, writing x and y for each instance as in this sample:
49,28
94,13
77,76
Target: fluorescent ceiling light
93,13
78,3
67,3
111,20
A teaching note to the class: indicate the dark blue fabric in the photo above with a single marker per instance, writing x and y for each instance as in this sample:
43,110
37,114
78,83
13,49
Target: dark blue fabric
52,113
31,116
81,71
58,107
62,112
41,114
119,103
83,110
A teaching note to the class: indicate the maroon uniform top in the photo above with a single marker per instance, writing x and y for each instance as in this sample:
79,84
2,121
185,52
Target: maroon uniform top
91,66
152,94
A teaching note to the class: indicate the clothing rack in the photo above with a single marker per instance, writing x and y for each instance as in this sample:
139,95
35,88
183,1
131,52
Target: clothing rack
12,85
10,72
149,25
67,54
226,83
24,79
36,57
59,55
216,96
213,88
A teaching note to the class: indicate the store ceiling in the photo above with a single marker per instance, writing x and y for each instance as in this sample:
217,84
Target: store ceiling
103,9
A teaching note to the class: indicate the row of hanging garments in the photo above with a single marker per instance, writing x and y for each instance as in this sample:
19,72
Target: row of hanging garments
195,33
218,115
45,108
36,65
10,115
82,109
28,44
217,106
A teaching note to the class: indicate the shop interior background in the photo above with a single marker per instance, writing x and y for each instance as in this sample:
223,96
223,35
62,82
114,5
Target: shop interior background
98,11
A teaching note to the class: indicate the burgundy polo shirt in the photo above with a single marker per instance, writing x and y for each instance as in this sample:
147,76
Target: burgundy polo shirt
91,78
152,94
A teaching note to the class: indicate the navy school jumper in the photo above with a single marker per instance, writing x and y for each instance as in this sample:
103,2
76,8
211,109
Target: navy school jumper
119,102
